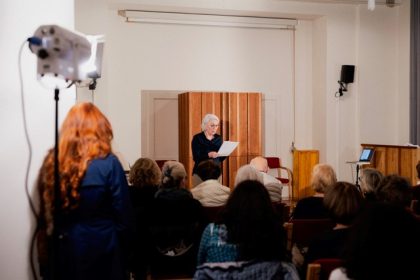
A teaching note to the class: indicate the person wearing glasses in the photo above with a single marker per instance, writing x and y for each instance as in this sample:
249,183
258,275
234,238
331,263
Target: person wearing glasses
205,145
369,182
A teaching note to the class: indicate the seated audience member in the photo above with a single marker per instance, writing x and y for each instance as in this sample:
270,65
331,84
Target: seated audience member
173,184
210,192
343,202
383,244
396,190
144,177
248,172
246,241
173,222
369,182
323,177
273,185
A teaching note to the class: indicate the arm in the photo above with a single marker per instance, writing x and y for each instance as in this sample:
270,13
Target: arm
199,152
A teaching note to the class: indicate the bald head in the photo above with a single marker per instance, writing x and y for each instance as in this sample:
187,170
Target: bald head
260,163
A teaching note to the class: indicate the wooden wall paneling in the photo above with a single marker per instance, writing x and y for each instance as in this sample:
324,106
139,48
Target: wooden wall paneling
224,132
238,122
407,164
392,159
254,125
189,105
303,164
211,103
183,113
237,131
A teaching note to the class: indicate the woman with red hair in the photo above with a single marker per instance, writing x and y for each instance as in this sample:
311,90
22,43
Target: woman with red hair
95,214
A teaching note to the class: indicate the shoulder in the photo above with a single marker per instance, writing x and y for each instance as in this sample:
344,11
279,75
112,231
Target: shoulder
199,135
110,160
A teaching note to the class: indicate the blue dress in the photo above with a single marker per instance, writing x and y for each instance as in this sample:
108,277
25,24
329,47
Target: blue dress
94,235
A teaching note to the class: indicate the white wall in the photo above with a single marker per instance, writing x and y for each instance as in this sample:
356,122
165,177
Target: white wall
327,37
18,21
165,57
403,87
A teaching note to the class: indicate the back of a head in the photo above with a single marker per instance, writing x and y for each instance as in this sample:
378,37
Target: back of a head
248,172
208,170
173,172
259,163
323,176
252,222
86,134
343,202
396,190
87,131
371,179
383,244
144,172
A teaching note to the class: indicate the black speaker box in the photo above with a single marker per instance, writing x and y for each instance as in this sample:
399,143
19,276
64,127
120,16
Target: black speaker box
347,74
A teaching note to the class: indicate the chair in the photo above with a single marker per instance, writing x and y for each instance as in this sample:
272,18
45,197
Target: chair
275,163
283,210
210,213
321,269
301,231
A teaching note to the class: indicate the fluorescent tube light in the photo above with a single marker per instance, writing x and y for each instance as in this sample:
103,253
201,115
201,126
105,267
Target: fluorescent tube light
207,20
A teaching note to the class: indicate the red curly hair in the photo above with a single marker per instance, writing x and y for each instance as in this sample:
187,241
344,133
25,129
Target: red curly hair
86,134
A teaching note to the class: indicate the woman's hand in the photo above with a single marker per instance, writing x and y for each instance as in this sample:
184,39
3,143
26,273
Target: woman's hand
213,155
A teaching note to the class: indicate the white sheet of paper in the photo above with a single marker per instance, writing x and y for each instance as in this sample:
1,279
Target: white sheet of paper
227,148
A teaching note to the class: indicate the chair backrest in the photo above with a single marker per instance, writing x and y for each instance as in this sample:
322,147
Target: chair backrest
305,229
274,163
321,269
210,213
283,210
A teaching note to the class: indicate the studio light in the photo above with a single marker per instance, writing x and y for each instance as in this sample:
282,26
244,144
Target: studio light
64,56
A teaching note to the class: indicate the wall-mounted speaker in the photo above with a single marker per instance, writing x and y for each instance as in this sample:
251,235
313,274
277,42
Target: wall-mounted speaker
347,74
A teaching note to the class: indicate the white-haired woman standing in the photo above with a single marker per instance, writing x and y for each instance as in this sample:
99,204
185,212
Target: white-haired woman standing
206,144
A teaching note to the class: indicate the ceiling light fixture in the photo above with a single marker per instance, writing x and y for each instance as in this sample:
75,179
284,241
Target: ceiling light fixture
207,20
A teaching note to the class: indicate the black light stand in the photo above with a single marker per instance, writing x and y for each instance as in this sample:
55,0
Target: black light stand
357,185
55,261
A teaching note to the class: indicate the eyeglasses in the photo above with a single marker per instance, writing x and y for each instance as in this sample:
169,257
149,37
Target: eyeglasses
214,125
